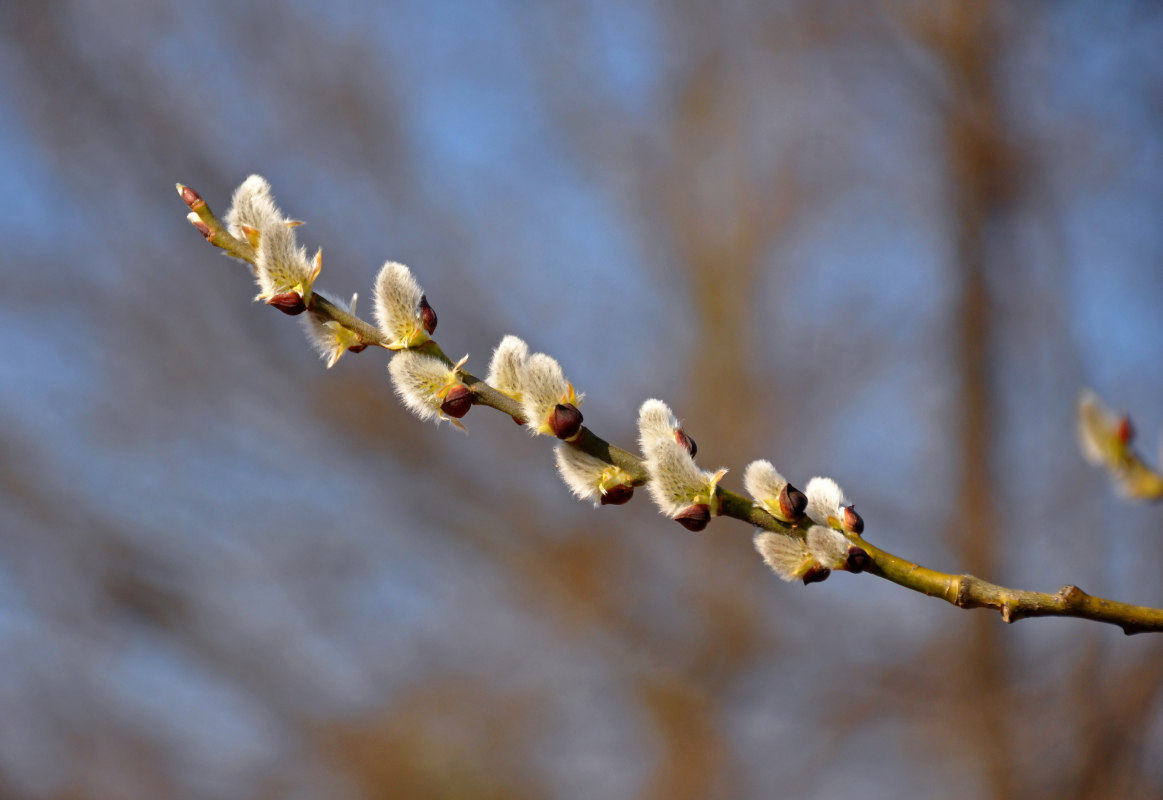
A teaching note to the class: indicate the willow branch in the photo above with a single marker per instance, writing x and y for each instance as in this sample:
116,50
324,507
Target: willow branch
961,590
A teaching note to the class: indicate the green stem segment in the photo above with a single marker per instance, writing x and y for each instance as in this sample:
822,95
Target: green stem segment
963,591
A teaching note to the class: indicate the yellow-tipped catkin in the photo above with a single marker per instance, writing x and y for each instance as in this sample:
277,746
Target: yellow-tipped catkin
788,556
329,338
398,309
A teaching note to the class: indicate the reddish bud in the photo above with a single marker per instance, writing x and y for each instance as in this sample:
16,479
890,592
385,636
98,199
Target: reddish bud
816,573
288,302
686,441
617,495
852,522
694,518
1125,431
518,420
427,315
565,420
792,503
203,229
457,402
858,560
190,197
357,348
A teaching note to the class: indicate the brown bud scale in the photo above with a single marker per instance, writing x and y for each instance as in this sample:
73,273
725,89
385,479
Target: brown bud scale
192,198
357,348
617,495
203,229
427,315
852,522
565,420
816,573
694,518
288,302
457,402
684,439
858,560
792,503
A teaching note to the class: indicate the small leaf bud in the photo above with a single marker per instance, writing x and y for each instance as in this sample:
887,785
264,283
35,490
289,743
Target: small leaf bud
565,420
816,573
852,522
694,518
617,495
792,503
288,302
202,227
190,197
684,439
427,315
858,559
457,402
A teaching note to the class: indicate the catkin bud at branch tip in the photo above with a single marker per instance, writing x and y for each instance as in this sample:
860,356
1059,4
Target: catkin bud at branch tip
191,198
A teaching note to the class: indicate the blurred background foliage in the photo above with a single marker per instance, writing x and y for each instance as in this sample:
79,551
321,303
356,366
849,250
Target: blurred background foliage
886,242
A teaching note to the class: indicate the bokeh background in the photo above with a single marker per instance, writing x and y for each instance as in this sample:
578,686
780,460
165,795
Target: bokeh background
887,242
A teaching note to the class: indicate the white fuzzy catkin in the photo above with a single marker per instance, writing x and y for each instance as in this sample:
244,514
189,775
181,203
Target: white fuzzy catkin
397,307
655,423
828,546
825,499
584,474
280,264
676,482
252,205
329,338
787,556
764,483
543,386
505,369
1097,426
420,381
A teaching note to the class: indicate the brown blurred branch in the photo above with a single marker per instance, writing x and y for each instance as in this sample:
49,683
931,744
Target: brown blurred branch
961,590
